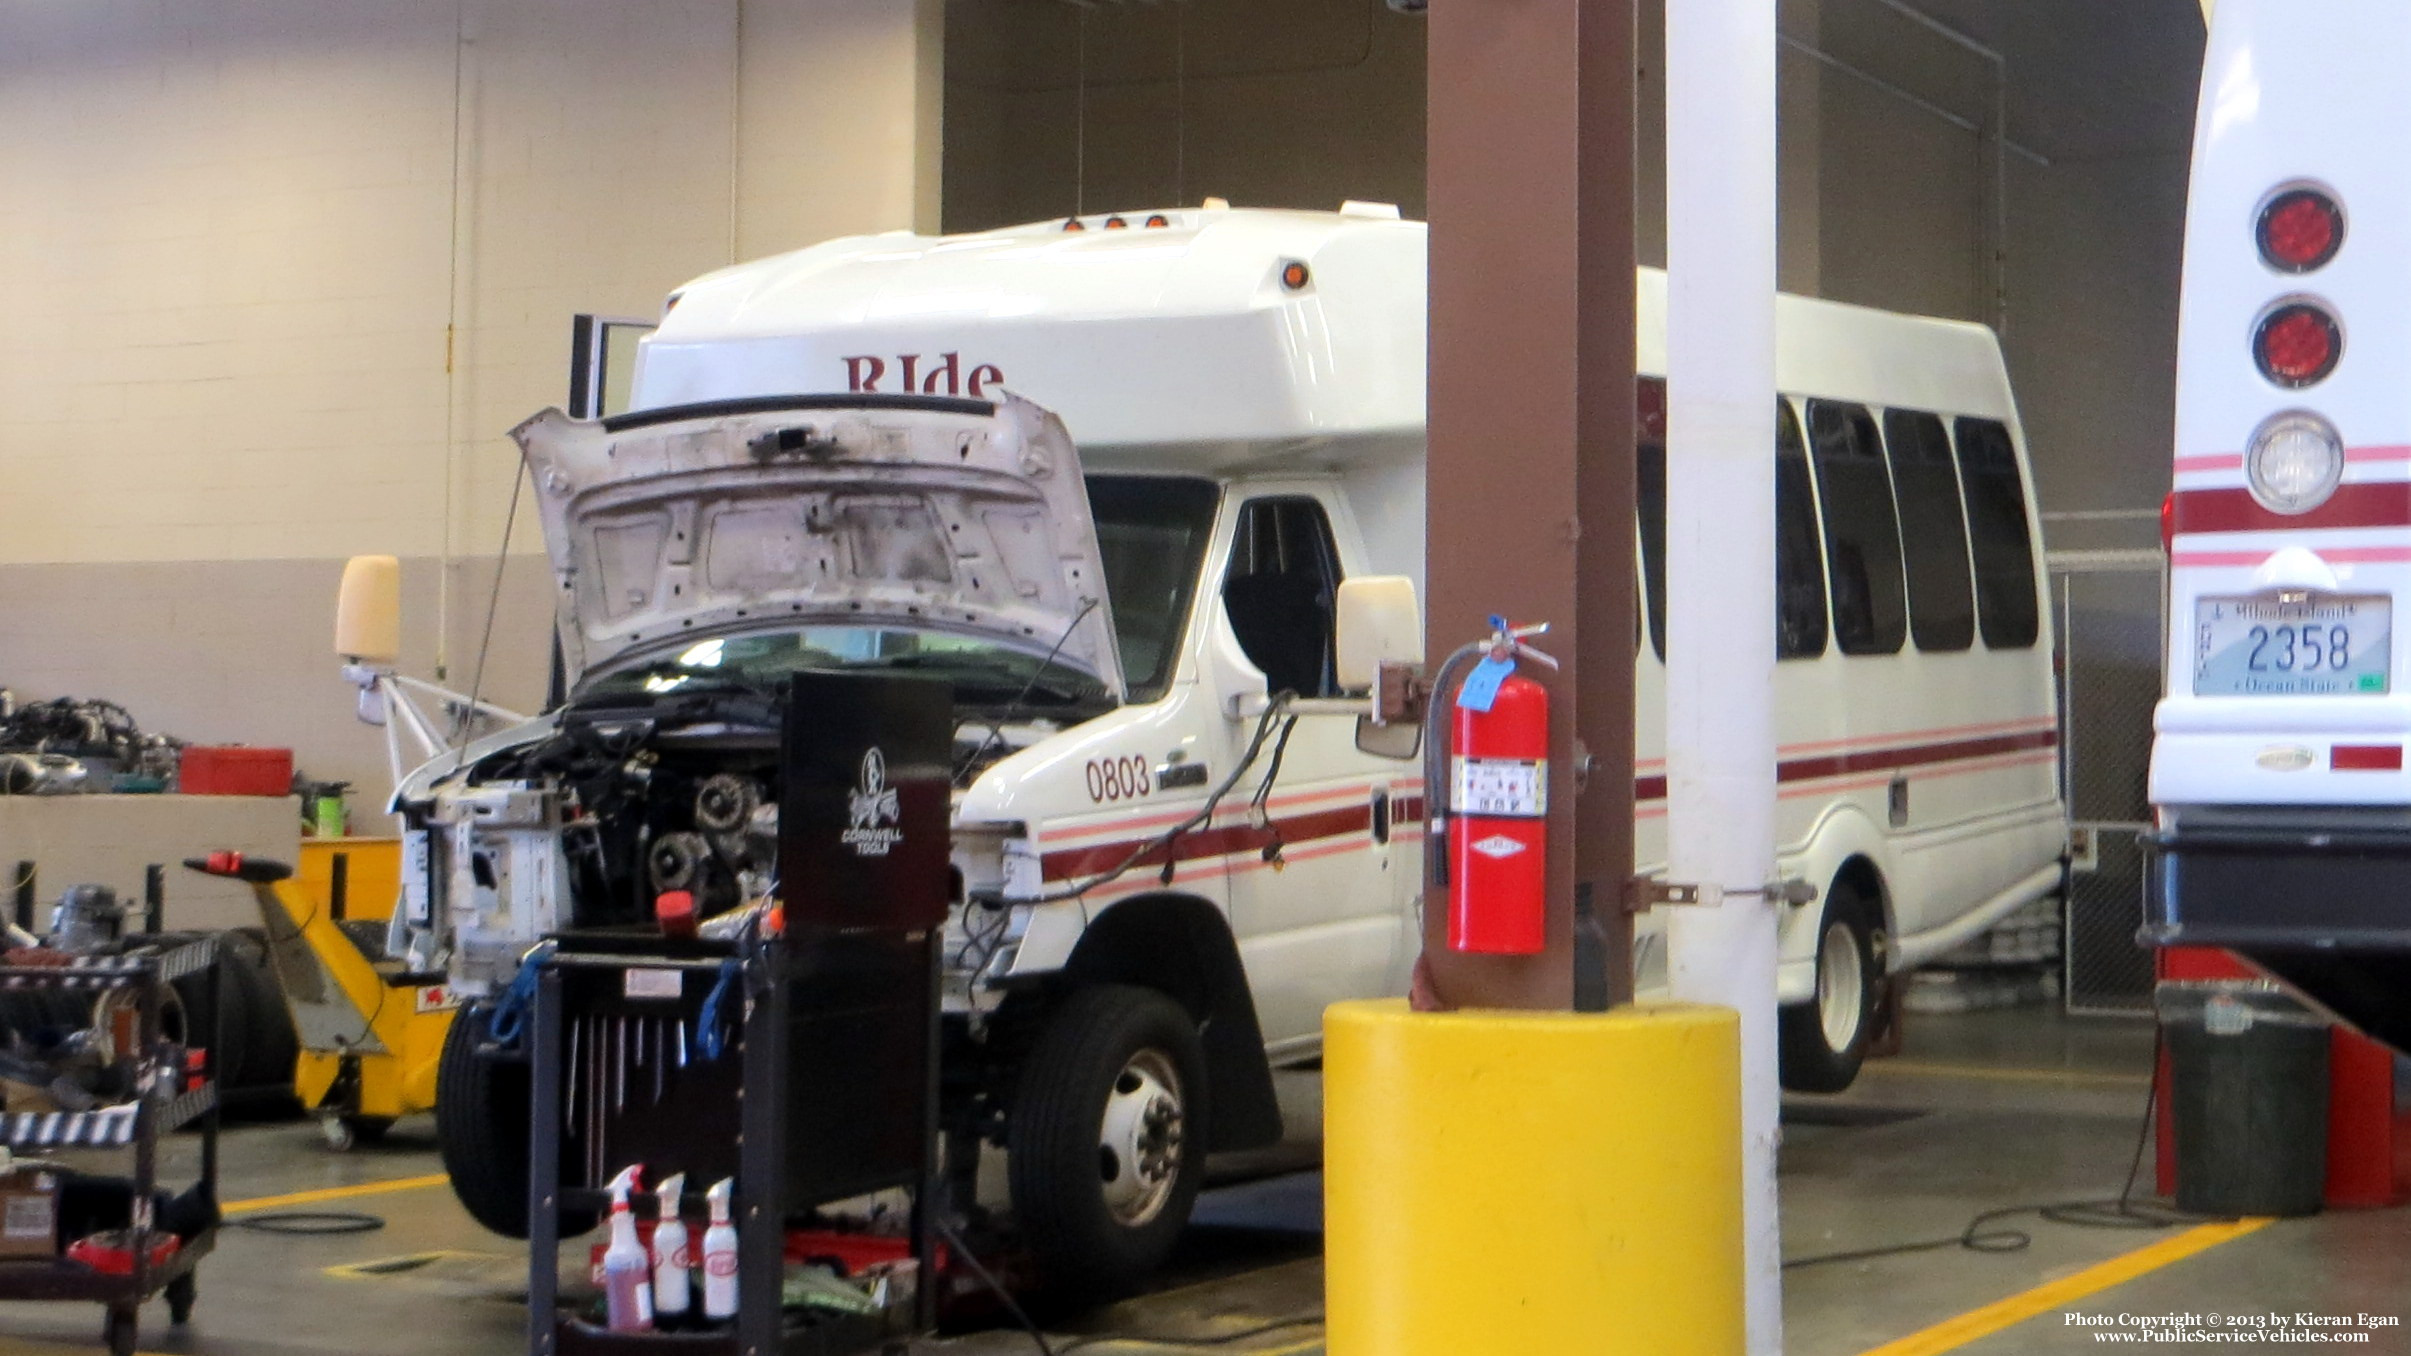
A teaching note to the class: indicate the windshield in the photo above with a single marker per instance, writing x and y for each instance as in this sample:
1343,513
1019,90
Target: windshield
983,672
1152,531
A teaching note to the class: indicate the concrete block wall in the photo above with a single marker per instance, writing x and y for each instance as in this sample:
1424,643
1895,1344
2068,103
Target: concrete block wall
283,273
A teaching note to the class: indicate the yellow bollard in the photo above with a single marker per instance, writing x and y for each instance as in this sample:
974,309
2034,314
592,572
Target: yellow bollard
1532,1183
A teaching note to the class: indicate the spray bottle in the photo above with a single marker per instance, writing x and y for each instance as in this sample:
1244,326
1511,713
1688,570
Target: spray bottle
720,1255
673,1260
627,1289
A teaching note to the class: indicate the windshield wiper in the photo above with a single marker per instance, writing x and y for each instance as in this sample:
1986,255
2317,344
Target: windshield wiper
1000,675
996,727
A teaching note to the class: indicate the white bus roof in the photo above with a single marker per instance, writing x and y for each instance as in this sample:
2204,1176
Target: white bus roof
1185,341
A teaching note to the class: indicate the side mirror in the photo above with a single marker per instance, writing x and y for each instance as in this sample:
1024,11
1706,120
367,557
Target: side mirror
368,610
1398,739
1379,621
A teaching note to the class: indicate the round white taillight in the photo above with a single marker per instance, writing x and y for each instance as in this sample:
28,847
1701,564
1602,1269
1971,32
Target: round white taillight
2294,461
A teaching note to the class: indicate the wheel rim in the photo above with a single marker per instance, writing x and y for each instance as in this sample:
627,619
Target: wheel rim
1841,985
1139,1143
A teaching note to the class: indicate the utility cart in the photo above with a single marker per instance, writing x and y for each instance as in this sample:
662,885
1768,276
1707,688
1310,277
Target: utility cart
131,992
797,1058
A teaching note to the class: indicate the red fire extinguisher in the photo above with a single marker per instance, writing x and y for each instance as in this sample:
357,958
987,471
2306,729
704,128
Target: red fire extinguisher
1498,782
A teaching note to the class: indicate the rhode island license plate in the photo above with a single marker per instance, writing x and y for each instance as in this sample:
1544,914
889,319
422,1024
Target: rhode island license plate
2292,645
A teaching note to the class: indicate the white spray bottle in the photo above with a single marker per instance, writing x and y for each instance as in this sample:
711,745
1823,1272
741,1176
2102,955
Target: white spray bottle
720,1255
627,1284
673,1260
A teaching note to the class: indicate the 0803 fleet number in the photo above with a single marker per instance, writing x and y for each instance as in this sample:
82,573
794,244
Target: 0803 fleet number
1112,779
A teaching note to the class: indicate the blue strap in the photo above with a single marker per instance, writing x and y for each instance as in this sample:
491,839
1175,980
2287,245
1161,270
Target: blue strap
709,1040
508,1020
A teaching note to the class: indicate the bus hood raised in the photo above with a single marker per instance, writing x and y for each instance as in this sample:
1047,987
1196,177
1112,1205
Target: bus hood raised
667,527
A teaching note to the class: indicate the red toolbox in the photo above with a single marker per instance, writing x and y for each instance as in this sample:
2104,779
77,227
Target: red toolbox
234,770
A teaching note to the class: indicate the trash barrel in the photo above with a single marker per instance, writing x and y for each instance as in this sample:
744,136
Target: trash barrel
2248,1093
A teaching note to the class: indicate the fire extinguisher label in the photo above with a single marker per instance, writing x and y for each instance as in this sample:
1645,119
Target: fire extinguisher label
1516,788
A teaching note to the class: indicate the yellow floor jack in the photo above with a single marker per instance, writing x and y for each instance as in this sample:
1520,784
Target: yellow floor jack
371,1029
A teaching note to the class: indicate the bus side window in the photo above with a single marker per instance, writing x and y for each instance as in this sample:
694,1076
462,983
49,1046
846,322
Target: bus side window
2007,610
1281,591
1942,605
1862,536
1799,575
1799,582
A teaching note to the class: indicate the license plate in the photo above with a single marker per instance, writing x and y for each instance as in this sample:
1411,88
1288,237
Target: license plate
2316,645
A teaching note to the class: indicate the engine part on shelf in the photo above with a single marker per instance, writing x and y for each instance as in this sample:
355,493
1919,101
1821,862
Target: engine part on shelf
43,774
87,918
70,744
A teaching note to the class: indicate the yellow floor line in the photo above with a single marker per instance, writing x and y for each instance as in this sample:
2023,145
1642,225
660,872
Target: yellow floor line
1996,1074
1141,1345
342,1193
1952,1334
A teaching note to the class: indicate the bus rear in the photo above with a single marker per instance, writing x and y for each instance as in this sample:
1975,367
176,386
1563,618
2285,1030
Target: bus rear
2277,771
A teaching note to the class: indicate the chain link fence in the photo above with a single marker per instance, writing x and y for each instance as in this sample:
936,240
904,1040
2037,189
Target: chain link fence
2111,626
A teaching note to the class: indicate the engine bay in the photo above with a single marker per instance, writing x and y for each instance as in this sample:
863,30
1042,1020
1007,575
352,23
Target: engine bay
612,803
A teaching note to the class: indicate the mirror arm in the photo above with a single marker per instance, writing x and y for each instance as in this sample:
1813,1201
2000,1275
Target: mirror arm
1401,693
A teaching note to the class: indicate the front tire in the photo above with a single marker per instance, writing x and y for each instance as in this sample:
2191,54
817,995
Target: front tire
481,1110
1824,1041
1107,1140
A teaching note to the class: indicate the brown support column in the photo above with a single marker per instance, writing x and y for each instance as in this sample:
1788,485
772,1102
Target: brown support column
1531,424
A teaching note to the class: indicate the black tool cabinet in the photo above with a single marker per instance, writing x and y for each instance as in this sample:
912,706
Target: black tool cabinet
827,1086
159,1105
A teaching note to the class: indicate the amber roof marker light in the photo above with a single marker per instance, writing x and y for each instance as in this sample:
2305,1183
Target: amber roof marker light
1294,275
2299,229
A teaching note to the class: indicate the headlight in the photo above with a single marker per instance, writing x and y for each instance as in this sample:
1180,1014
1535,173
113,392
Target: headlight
2294,462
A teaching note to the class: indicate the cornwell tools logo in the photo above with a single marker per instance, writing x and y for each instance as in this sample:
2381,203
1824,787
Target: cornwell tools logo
873,810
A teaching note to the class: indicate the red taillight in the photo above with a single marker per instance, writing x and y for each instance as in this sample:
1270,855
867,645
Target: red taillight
2366,757
2168,522
2297,344
2300,230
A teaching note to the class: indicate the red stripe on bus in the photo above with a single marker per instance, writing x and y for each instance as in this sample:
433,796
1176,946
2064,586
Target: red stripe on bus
2363,503
1070,863
2333,555
2234,461
1297,830
1880,760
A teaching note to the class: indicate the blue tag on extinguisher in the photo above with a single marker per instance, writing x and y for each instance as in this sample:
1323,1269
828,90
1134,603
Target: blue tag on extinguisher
1482,685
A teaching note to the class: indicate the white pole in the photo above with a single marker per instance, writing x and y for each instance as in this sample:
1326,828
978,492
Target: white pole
1720,566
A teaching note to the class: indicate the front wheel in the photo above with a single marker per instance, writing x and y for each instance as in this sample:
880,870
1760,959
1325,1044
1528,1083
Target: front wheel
1824,1041
1107,1139
481,1110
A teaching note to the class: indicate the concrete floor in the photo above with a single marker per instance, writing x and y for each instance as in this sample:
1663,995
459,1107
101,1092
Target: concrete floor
1982,1111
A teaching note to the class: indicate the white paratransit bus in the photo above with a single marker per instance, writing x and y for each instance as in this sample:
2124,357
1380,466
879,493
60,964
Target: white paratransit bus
833,458
2283,810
